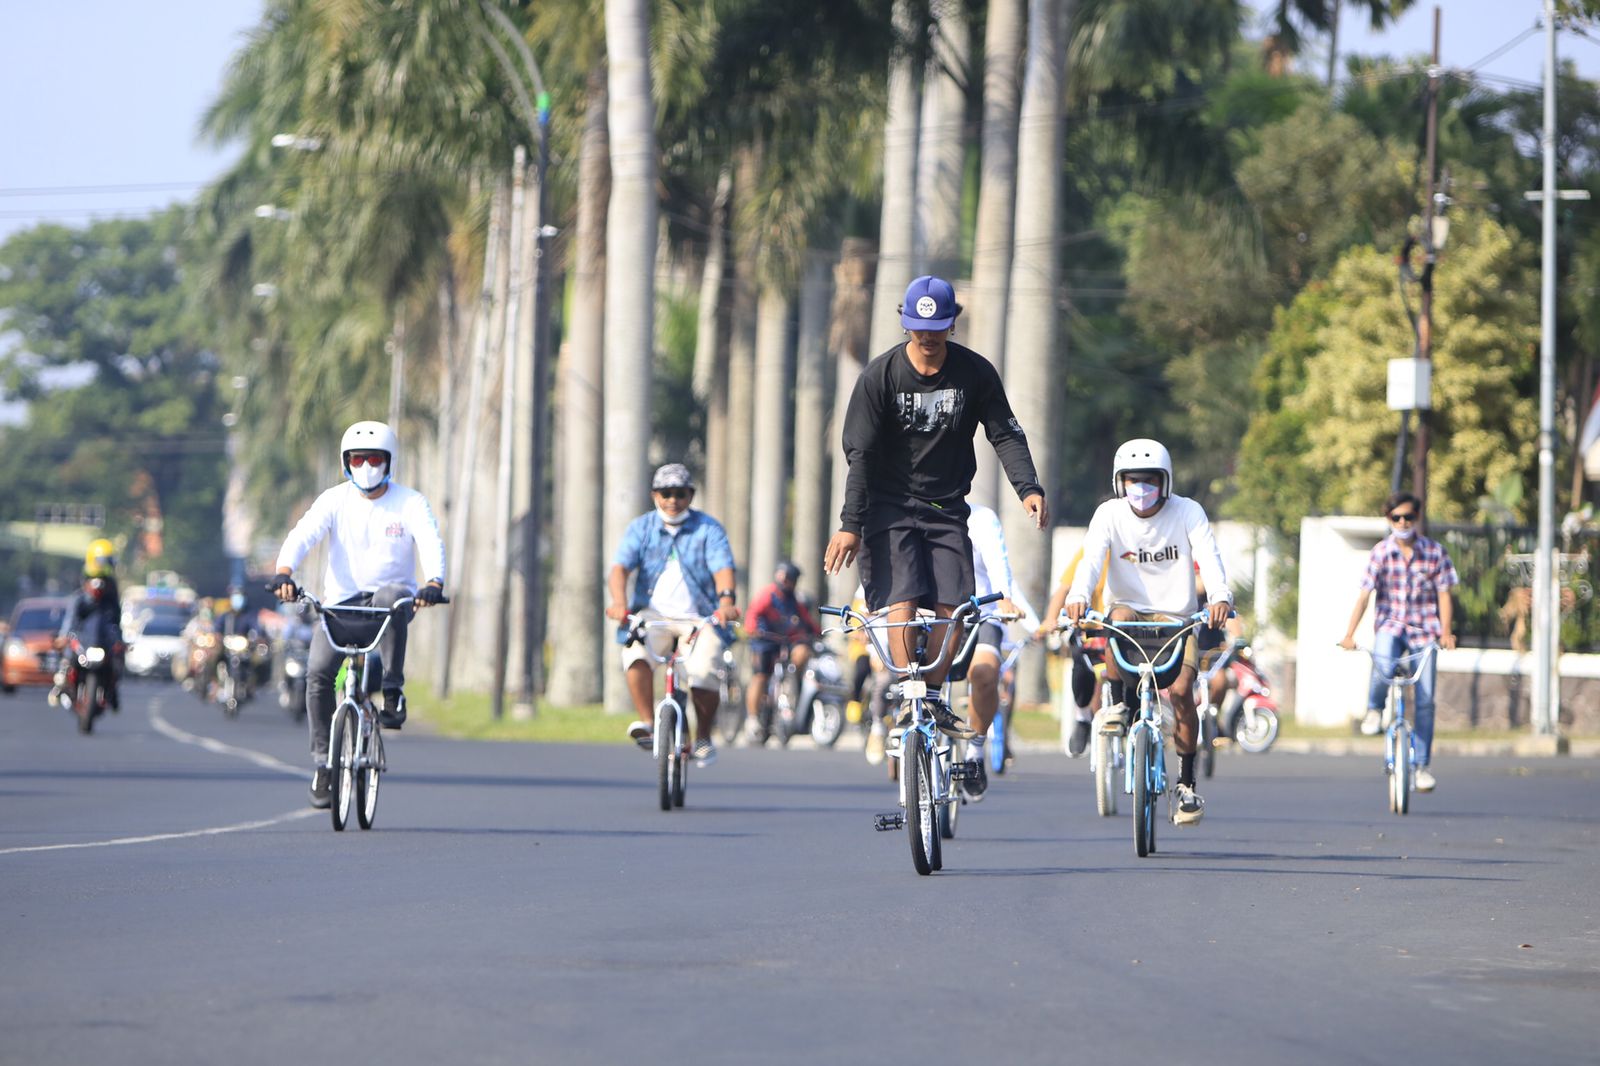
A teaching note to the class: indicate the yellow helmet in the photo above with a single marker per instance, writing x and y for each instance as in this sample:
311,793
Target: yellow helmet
101,559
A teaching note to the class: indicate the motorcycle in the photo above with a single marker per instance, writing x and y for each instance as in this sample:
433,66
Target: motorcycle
1251,716
86,680
292,676
235,672
824,692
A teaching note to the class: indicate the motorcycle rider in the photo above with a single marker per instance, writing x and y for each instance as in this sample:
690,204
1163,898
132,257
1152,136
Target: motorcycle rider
236,621
378,531
96,616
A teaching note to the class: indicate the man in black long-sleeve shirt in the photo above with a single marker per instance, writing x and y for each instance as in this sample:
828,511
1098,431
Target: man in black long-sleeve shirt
908,439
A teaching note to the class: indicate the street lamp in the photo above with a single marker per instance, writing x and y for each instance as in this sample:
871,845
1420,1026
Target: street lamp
297,142
274,213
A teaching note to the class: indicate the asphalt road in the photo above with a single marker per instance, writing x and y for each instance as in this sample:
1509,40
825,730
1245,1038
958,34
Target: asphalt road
168,900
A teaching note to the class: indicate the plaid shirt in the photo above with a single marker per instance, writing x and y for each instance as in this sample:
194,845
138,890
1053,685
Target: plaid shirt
1408,592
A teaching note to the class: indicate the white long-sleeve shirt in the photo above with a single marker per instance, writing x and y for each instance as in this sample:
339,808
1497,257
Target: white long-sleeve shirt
1152,559
373,542
991,566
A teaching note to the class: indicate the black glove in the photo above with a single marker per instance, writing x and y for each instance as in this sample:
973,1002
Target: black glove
280,580
431,595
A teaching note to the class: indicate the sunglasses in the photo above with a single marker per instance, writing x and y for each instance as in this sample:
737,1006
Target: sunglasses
673,494
375,459
1403,516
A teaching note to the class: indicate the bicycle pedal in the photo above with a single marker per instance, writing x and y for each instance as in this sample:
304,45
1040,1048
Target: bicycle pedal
964,771
888,823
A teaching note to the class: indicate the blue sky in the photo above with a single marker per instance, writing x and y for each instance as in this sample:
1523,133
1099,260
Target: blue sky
101,101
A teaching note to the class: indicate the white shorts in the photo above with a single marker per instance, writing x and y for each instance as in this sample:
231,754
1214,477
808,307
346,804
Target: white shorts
702,659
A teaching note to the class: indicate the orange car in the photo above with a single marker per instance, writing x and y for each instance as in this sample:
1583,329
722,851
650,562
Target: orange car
34,624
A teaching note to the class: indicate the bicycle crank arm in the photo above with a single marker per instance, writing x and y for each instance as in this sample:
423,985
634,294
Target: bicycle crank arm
888,823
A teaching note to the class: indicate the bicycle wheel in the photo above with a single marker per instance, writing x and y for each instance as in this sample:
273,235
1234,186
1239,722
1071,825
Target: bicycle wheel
1105,774
730,718
1144,802
950,810
921,823
367,785
342,745
1208,743
1400,782
995,747
666,753
680,779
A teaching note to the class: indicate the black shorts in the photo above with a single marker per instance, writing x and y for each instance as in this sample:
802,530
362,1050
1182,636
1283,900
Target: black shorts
916,552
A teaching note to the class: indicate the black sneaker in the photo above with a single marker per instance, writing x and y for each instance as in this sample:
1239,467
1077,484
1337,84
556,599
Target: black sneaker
393,715
1079,739
321,789
977,781
947,721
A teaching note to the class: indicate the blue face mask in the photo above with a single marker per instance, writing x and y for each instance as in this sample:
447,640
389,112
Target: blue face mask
237,601
1142,496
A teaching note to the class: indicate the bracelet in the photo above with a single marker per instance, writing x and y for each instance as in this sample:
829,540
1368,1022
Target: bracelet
727,594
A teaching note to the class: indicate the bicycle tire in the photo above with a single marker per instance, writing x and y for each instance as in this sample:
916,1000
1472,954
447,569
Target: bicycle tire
999,735
1144,802
88,693
680,779
666,754
367,790
920,825
949,811
1401,780
1105,774
827,723
730,720
1208,744
342,748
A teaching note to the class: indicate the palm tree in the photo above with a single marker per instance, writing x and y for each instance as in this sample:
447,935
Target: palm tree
630,277
770,425
900,136
942,152
813,444
997,190
1033,323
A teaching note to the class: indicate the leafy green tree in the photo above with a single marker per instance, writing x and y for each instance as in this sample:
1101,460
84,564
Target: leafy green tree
144,436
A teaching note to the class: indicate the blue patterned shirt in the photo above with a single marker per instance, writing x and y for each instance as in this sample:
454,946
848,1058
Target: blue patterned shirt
1408,592
702,548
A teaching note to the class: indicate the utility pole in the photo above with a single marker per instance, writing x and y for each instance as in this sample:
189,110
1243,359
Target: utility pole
1333,45
1419,461
1546,680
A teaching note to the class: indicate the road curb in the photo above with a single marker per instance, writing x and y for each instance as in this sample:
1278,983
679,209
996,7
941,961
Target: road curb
1372,747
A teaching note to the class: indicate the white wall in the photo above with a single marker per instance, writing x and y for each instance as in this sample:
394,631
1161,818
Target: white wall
1331,683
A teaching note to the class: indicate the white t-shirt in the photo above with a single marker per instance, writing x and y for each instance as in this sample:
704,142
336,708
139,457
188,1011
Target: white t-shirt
672,597
1152,559
991,566
374,542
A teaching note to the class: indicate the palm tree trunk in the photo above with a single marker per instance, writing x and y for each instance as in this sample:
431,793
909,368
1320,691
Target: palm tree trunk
813,403
710,354
741,369
461,529
897,226
848,342
576,635
630,279
510,358
769,476
997,192
1033,325
941,155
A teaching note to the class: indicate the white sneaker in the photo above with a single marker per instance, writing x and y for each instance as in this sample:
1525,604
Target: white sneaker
1372,724
875,748
1190,808
1108,720
705,753
1425,781
639,732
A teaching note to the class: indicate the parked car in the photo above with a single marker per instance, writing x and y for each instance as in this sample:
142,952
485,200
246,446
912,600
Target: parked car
155,636
28,657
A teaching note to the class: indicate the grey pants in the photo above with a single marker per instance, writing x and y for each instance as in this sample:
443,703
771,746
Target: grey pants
323,664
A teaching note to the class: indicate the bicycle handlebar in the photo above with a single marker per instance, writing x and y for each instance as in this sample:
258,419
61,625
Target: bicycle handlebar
966,611
1419,657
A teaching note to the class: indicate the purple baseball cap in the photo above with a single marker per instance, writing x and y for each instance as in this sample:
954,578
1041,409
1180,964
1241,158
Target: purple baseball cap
930,304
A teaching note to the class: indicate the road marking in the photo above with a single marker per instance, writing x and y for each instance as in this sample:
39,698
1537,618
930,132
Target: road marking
217,747
304,812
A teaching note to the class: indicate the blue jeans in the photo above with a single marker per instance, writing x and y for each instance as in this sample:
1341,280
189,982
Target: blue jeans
1387,649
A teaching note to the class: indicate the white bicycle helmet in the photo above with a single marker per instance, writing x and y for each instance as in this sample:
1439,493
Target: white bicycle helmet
365,437
1142,453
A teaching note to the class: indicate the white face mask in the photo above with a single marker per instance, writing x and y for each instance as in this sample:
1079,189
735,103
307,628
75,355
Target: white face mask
1405,532
1142,496
674,519
368,477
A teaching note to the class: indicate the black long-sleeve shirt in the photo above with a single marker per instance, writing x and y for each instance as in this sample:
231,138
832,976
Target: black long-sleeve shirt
909,437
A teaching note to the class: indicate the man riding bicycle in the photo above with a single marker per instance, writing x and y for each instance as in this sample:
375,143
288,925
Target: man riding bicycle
908,435
776,619
377,531
1154,537
685,570
1412,576
991,573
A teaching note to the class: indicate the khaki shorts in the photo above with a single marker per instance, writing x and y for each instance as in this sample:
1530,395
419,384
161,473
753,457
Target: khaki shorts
1191,647
702,659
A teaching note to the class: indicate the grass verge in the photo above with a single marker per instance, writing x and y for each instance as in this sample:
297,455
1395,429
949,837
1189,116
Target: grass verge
467,715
